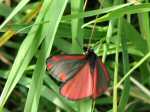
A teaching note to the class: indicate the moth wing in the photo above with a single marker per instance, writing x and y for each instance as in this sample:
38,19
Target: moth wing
80,86
63,67
100,79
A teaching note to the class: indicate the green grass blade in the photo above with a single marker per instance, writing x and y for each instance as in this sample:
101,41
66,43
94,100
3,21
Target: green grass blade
125,92
85,105
54,98
95,12
121,12
133,68
136,93
115,92
77,32
67,46
52,85
134,37
21,4
140,86
36,85
106,3
50,94
144,27
25,54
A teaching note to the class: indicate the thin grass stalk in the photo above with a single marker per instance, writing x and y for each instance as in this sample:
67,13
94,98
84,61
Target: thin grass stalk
126,85
115,93
133,68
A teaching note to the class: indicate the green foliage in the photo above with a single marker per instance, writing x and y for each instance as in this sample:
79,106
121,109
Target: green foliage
31,31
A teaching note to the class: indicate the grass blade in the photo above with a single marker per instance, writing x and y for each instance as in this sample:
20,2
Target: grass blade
77,32
14,12
37,80
121,12
25,54
125,92
95,12
133,68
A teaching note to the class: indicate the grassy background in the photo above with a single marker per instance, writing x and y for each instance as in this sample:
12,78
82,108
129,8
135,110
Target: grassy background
30,31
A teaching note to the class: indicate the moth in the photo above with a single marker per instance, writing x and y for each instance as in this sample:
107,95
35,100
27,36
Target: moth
82,75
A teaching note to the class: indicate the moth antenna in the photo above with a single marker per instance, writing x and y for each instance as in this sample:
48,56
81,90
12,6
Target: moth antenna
93,29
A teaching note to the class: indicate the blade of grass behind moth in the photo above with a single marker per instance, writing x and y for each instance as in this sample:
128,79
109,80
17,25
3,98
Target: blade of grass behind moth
139,95
21,4
54,98
125,92
65,46
146,57
106,3
144,26
95,12
56,8
145,90
36,83
133,35
67,103
25,54
115,92
26,19
145,32
64,30
108,37
77,32
122,11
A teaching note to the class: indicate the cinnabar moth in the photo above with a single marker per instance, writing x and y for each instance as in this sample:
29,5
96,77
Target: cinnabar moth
82,75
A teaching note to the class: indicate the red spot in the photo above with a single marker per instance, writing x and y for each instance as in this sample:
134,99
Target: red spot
49,66
62,76
56,58
80,57
96,80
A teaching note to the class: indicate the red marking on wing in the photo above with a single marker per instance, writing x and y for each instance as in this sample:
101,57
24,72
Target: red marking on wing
67,57
96,79
78,57
62,76
56,58
49,66
80,86
105,71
